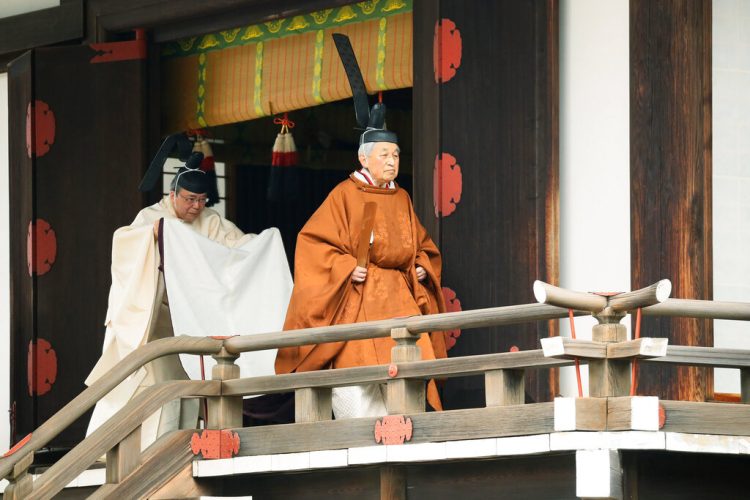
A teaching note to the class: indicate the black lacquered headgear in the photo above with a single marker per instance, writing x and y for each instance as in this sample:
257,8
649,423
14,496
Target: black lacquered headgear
371,121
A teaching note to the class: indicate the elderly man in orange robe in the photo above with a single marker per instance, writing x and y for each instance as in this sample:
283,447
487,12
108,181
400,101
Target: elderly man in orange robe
401,276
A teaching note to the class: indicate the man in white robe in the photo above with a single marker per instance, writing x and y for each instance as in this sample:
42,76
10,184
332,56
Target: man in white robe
220,282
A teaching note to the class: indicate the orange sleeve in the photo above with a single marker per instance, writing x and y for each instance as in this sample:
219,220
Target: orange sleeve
323,293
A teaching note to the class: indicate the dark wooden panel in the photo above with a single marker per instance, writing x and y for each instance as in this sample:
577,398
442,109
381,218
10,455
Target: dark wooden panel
43,27
85,187
21,213
360,483
670,175
170,20
499,117
659,475
426,114
544,477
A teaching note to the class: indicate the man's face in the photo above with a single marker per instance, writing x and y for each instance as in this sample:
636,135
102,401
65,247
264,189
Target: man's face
382,162
188,205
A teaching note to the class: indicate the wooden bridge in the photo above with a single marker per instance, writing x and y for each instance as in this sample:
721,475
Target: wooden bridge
611,444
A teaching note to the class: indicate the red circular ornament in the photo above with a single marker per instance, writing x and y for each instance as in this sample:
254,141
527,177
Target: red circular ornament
41,367
447,184
41,247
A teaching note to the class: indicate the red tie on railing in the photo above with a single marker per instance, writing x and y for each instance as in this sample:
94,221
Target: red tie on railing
578,366
634,367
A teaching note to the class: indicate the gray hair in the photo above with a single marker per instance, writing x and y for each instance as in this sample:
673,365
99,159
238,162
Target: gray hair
365,149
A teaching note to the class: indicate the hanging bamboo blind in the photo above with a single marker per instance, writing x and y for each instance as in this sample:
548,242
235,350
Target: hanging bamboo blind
283,65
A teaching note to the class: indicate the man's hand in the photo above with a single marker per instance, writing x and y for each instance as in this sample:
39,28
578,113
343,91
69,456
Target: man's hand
359,274
421,273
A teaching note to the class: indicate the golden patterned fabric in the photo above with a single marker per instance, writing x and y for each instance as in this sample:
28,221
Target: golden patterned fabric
283,65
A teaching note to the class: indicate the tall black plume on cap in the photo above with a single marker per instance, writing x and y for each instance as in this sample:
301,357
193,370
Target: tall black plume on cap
184,147
354,75
371,120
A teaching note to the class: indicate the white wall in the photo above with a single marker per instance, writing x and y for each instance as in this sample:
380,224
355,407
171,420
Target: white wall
731,174
594,154
4,270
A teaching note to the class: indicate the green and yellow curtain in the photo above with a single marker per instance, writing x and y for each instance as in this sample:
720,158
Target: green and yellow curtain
283,65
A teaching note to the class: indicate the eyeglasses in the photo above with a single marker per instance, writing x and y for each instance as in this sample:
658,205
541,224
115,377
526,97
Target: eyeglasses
192,200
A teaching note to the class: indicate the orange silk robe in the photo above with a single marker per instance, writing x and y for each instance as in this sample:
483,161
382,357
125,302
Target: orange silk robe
324,294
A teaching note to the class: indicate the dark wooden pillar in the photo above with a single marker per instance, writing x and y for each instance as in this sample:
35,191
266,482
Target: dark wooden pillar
670,175
22,212
76,158
490,112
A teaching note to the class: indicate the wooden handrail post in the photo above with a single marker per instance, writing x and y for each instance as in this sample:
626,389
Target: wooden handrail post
504,387
745,385
125,457
609,377
225,412
20,482
312,404
405,396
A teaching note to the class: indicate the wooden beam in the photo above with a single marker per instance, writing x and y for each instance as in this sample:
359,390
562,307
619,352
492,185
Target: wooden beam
700,309
312,405
586,301
160,462
224,411
86,400
637,413
42,27
125,457
392,482
20,481
706,418
405,395
466,320
545,293
648,296
453,425
442,368
705,356
174,19
609,377
115,430
567,348
644,347
609,332
504,387
580,414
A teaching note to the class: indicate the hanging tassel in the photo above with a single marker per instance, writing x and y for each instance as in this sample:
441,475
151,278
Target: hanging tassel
283,184
284,153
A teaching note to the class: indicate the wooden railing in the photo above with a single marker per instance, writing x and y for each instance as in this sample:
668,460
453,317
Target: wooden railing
608,355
